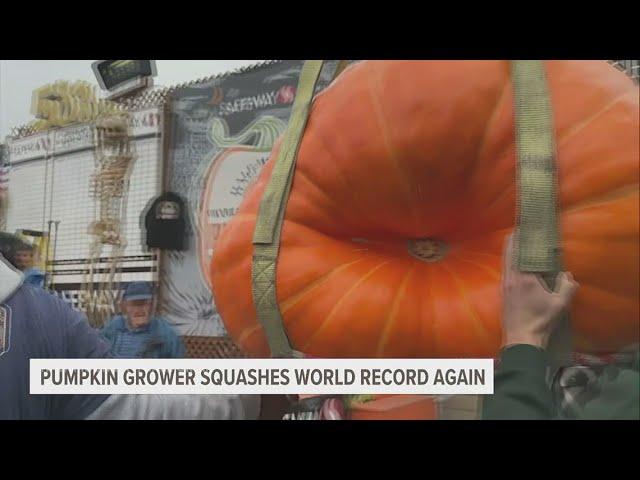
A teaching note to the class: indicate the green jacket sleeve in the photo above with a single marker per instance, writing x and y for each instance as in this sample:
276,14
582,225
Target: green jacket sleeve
521,391
619,396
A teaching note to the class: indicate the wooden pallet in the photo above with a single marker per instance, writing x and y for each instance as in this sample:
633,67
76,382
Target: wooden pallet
211,347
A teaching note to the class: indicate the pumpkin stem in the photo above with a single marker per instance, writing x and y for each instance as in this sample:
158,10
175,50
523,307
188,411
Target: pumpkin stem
427,249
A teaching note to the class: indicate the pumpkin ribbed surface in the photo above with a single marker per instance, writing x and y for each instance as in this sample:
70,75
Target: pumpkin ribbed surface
403,193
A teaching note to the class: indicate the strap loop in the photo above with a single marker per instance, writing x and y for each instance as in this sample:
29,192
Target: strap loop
537,241
266,236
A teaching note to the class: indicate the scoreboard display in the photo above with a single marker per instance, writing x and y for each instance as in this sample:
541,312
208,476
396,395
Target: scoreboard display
112,74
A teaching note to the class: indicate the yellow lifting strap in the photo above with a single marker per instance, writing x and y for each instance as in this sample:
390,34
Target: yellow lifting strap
537,242
266,236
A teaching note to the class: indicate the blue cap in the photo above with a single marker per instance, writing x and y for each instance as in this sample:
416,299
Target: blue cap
138,291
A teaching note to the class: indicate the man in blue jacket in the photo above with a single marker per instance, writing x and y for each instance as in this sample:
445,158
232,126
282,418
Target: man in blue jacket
137,333
36,324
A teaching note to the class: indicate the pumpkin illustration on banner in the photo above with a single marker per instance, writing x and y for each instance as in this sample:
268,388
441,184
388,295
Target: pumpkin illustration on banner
228,176
403,193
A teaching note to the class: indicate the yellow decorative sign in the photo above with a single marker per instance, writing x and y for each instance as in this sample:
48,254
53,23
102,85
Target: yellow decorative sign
62,103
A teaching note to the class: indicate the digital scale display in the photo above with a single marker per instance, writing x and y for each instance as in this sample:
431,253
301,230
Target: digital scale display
112,73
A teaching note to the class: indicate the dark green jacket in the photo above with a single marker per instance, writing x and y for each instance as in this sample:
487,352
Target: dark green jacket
522,391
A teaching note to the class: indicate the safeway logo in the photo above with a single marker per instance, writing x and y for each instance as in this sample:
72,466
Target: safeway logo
286,94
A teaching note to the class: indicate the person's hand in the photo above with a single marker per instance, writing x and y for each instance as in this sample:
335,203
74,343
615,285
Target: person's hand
530,309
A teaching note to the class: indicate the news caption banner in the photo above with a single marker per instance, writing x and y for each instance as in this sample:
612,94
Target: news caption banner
262,376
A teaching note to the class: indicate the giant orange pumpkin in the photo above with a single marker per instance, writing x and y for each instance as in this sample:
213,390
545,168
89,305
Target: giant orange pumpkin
403,194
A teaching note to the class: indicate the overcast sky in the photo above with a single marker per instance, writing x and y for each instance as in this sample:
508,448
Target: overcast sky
18,78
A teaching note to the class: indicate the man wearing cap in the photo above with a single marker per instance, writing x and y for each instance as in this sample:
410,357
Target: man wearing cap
35,324
137,333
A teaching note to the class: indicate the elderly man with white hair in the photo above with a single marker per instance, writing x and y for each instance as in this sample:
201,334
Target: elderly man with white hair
36,324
